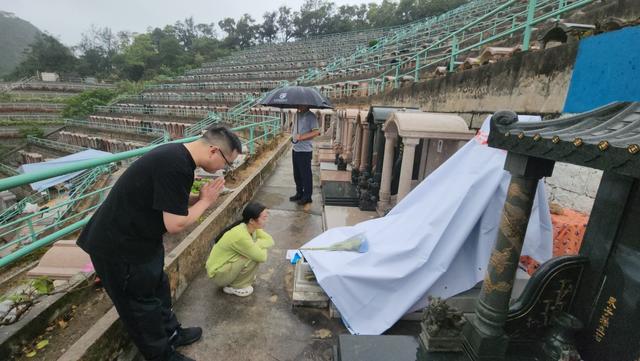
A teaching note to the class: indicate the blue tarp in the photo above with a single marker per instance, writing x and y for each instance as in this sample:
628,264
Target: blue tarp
607,70
436,241
58,162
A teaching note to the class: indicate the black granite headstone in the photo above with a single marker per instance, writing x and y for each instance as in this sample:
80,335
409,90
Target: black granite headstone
336,193
388,348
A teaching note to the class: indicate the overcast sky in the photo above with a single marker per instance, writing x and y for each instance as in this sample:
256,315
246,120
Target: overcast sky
68,19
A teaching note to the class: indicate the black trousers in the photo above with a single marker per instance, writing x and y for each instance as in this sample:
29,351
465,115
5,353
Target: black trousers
142,297
302,174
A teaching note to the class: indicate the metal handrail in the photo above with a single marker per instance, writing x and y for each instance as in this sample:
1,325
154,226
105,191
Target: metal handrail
201,125
48,143
270,128
8,170
30,116
19,206
142,130
377,83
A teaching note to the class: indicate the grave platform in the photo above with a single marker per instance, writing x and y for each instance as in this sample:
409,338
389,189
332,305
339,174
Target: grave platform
338,216
340,193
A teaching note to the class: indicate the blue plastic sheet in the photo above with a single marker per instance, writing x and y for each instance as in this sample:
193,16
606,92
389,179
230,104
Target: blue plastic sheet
58,162
436,241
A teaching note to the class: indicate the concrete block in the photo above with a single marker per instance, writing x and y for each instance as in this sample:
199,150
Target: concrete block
62,261
334,175
306,290
338,216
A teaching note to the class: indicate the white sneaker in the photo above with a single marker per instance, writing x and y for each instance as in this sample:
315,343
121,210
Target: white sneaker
240,292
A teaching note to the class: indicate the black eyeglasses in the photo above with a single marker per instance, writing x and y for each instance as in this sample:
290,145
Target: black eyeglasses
225,159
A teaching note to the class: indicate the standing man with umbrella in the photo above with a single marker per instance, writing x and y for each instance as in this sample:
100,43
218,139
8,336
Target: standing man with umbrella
305,128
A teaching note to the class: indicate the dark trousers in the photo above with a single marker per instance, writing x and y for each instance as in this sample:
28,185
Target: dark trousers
142,297
302,174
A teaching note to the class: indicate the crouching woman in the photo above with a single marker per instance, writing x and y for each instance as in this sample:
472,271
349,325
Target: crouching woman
234,259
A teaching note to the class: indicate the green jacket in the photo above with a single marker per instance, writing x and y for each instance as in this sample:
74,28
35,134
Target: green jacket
236,243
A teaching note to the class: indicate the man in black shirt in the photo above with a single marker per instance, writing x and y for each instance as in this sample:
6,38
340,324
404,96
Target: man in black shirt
124,236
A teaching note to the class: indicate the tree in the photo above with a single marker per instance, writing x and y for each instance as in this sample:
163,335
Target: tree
97,49
82,104
380,15
185,32
405,11
228,25
246,30
46,54
313,18
268,29
285,23
137,58
347,18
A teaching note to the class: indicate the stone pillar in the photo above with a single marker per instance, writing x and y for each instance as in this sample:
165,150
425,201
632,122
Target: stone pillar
484,338
406,168
423,159
349,142
364,152
344,124
378,144
357,147
387,167
322,121
338,123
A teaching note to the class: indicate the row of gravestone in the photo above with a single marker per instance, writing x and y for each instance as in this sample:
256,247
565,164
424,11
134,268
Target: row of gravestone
211,68
203,97
260,74
188,111
175,129
99,143
222,85
30,157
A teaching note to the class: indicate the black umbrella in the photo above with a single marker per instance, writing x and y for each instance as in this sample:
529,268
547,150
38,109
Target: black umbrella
294,96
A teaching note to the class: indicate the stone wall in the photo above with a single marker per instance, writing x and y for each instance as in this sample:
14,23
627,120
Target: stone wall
533,82
529,83
573,186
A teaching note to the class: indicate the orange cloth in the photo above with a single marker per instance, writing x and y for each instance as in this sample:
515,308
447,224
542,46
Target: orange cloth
568,231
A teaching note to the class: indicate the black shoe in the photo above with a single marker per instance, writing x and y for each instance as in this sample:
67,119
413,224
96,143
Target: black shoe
295,198
186,336
302,202
177,356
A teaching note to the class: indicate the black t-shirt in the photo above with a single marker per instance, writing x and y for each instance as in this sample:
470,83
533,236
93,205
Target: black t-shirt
128,226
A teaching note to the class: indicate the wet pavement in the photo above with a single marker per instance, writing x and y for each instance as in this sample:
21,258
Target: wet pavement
264,326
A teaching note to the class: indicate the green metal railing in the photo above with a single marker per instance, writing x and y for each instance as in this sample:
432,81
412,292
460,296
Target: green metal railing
8,170
30,228
83,183
162,134
52,144
461,41
188,111
222,86
426,28
197,128
243,106
46,226
19,206
498,23
188,97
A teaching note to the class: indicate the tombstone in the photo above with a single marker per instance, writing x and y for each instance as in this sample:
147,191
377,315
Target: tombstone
371,171
7,199
415,145
573,307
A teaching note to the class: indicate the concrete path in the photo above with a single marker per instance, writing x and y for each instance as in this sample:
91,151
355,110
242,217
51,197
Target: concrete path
264,326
